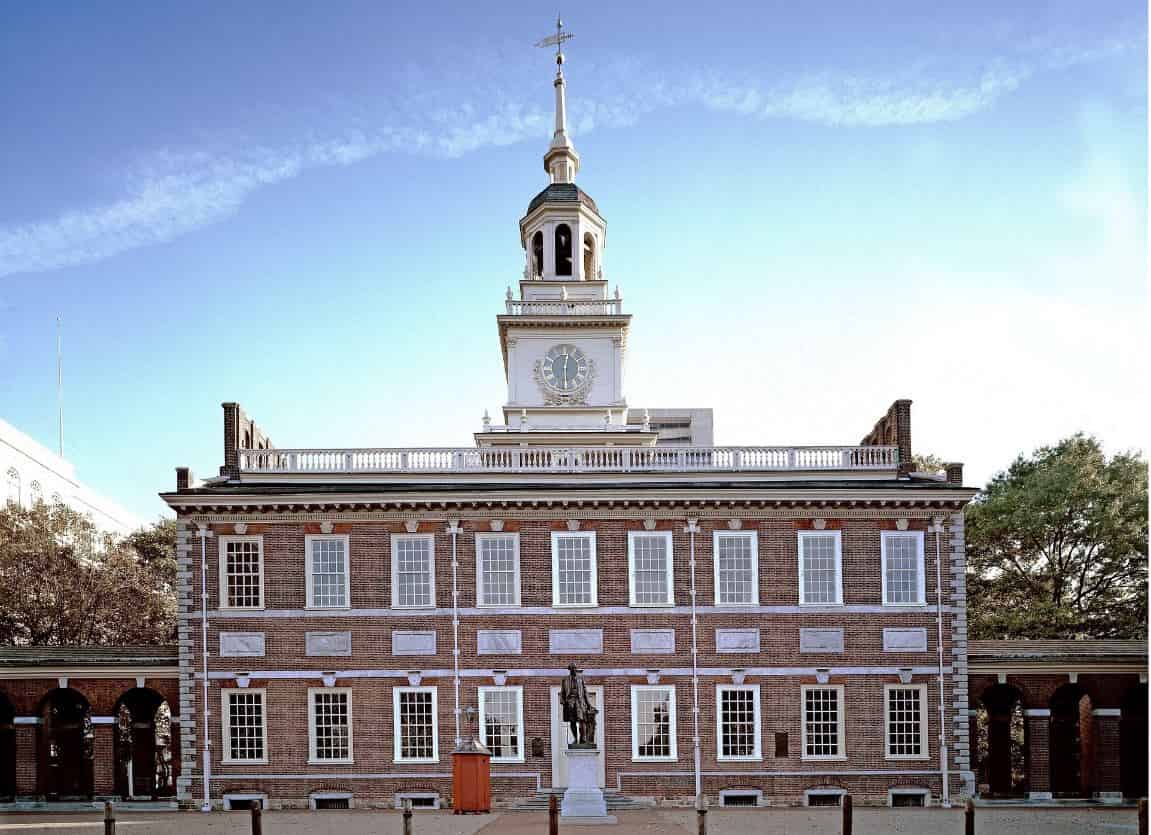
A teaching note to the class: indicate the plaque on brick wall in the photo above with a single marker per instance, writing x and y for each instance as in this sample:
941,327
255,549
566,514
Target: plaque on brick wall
737,640
499,642
905,640
328,643
575,641
821,640
652,641
242,644
413,643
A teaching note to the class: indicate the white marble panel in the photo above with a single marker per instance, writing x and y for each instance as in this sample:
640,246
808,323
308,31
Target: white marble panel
911,639
413,643
328,643
499,642
242,644
821,640
652,641
575,641
737,640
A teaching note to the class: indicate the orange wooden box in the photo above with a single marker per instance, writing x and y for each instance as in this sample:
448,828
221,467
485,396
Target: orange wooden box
471,782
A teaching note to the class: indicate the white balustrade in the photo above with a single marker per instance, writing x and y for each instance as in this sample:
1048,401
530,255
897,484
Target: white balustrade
592,307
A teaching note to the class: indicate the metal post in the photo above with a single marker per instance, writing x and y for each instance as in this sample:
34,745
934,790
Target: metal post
257,817
1142,816
553,815
847,814
110,820
407,817
701,820
969,817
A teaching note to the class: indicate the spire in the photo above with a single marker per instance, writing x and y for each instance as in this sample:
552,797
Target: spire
561,160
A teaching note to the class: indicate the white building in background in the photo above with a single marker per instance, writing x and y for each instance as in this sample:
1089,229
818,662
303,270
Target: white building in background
30,473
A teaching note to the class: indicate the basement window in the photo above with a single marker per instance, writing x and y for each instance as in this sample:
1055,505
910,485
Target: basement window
331,800
243,802
907,798
823,797
740,797
418,800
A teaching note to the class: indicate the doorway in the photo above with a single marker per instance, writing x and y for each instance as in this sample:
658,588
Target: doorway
67,746
562,736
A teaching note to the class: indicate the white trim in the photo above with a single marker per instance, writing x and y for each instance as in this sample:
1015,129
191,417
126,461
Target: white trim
741,534
1113,712
330,795
222,573
519,612
397,735
480,537
837,536
923,721
668,569
226,724
313,759
1037,711
921,591
841,714
924,793
673,743
482,693
757,754
590,536
308,581
425,537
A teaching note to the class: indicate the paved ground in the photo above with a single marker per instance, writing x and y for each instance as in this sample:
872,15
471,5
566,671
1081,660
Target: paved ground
665,822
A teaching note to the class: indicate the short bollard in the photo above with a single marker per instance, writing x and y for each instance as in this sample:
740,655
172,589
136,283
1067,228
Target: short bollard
1142,816
701,819
553,815
109,820
969,817
257,818
847,814
407,817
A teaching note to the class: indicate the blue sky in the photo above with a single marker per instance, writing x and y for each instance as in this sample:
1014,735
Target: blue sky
813,209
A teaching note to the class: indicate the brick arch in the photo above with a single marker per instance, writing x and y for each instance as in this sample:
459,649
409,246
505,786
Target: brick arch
1000,740
1071,741
66,744
143,744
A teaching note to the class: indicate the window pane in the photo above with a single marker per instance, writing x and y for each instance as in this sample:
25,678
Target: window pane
904,722
246,726
501,730
653,729
413,572
649,564
417,726
498,571
902,569
736,570
821,716
574,568
328,573
737,723
242,568
819,571
332,723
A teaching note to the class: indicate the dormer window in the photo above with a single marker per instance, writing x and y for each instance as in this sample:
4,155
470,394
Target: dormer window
563,249
538,255
588,257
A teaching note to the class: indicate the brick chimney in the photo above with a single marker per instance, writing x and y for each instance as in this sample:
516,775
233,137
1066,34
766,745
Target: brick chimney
955,474
184,479
894,429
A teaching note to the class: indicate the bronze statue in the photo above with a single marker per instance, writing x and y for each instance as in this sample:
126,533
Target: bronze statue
578,710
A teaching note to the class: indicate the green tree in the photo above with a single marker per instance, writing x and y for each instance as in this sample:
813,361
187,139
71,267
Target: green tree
928,463
62,583
1057,546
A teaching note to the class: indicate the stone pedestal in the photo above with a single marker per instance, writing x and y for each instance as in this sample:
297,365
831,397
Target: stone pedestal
583,800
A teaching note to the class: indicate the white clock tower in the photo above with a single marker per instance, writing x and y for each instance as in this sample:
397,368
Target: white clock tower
563,339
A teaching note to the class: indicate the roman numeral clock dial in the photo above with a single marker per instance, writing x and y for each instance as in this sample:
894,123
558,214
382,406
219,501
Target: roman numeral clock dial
565,369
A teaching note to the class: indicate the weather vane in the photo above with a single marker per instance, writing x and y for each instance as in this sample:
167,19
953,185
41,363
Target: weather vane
557,40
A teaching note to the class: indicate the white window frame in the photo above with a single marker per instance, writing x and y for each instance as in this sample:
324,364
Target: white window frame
754,536
223,570
887,536
482,698
226,724
669,570
838,537
636,689
840,730
312,740
397,747
923,722
719,755
309,602
403,537
911,790
590,536
480,602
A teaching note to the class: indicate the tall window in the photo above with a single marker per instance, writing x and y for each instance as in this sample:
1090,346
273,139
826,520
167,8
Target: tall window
903,582
563,240
736,568
35,493
245,726
906,721
737,714
328,582
13,479
502,722
589,271
241,572
652,722
414,714
537,255
573,569
823,722
497,569
650,568
330,725
413,571
820,575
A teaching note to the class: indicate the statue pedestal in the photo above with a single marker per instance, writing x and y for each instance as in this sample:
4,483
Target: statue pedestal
583,801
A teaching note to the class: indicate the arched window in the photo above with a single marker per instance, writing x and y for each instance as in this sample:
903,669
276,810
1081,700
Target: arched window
13,486
538,255
35,493
563,250
56,499
589,272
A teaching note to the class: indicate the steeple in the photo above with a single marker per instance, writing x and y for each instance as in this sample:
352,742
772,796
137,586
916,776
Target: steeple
561,160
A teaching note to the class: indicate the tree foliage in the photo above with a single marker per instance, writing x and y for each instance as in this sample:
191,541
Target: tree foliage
1057,546
62,583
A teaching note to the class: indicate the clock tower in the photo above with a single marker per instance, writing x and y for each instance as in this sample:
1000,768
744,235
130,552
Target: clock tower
563,336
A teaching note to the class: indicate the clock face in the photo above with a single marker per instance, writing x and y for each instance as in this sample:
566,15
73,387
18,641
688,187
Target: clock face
565,368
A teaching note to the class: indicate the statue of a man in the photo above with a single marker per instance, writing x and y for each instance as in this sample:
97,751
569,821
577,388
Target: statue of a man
577,708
